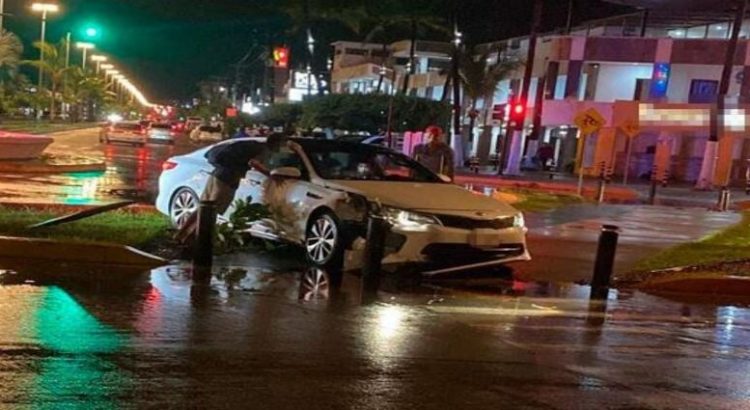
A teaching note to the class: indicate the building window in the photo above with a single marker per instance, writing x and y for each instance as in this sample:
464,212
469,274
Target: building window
703,91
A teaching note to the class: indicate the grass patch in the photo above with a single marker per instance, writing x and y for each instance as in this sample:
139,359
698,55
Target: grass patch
731,244
121,227
42,127
531,201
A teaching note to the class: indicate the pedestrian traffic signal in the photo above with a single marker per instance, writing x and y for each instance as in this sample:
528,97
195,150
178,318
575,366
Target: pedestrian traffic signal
281,57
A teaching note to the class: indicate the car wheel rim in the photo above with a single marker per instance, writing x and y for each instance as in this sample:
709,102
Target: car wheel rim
183,205
321,240
315,285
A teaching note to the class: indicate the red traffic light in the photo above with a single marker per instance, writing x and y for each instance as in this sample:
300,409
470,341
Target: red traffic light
518,109
281,57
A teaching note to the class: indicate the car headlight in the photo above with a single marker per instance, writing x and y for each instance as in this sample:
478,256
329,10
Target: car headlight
518,221
408,220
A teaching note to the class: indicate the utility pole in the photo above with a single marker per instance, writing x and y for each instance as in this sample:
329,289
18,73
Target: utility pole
569,22
708,168
516,144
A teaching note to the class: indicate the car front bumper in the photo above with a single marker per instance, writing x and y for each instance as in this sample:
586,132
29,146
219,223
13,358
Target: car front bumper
437,249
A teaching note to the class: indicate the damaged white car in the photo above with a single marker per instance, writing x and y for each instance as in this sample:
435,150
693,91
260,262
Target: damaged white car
325,190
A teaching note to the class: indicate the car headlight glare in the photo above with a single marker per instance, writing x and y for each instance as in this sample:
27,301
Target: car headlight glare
408,220
518,221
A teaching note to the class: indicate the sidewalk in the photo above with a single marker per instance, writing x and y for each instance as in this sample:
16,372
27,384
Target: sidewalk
637,191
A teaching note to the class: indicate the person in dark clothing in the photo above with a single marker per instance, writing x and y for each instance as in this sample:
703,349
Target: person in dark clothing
242,132
435,154
231,163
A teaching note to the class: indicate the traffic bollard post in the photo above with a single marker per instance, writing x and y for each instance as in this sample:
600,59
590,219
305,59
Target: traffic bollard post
377,230
605,261
203,251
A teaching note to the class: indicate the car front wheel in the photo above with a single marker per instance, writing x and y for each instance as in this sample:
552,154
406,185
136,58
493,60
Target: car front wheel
323,242
184,203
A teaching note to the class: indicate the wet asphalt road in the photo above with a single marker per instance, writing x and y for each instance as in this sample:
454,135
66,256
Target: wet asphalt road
132,172
261,338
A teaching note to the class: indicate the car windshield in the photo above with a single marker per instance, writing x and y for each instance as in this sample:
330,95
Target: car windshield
365,163
208,128
161,126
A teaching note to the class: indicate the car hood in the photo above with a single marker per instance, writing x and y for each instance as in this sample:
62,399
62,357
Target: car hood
423,197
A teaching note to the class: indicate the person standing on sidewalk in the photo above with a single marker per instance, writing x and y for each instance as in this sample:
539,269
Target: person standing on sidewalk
231,163
434,154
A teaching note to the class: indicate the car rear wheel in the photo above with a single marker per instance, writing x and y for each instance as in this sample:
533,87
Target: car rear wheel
184,203
323,241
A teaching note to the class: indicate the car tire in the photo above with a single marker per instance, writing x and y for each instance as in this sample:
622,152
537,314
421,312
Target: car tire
324,241
184,202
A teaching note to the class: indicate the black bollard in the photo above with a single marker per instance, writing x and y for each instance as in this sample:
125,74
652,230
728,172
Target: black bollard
605,261
377,230
652,193
724,199
203,252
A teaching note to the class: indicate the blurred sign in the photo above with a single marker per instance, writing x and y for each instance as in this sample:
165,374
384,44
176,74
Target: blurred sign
630,128
231,112
498,112
281,57
589,121
660,80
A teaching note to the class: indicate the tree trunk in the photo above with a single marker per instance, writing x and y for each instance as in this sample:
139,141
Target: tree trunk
472,121
53,91
412,54
446,88
384,61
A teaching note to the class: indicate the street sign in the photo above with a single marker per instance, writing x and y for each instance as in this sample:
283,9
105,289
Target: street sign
498,112
630,128
589,121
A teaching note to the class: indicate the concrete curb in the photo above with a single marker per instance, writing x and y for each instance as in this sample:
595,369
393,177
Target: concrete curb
66,208
59,252
39,168
612,193
732,286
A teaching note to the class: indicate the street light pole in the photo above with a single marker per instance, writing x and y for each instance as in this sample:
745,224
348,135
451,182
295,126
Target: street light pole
41,48
67,49
2,11
44,8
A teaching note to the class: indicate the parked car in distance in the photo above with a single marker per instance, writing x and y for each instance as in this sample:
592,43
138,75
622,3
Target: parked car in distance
161,132
125,132
207,133
192,123
331,186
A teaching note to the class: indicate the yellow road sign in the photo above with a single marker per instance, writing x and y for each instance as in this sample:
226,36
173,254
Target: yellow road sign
630,128
589,121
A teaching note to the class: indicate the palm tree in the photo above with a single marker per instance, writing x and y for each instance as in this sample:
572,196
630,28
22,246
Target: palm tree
414,16
54,67
11,49
480,78
84,87
303,15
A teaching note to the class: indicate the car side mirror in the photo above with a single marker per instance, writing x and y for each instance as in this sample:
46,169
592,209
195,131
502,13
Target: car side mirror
286,172
445,178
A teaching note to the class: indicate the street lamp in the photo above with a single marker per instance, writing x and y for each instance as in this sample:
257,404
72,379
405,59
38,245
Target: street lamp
84,48
98,59
43,8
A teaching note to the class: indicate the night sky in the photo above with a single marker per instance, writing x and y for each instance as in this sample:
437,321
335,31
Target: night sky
167,46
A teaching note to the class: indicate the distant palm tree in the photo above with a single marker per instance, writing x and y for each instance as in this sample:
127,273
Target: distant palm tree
84,87
11,49
413,16
54,68
306,15
480,78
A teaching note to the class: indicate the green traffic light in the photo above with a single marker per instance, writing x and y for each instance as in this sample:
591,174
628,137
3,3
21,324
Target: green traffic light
91,32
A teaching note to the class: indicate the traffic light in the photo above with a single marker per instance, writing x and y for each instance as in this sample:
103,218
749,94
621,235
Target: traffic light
91,32
281,57
518,112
